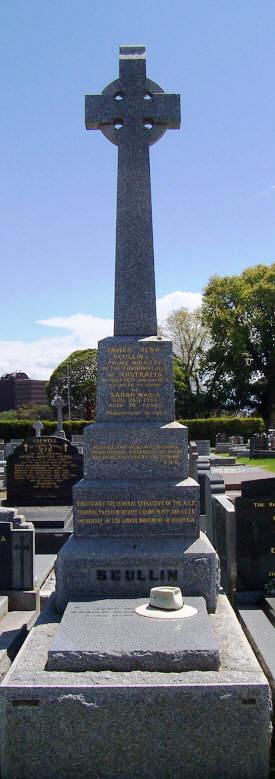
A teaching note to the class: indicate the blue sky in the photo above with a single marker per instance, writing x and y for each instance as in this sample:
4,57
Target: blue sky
213,182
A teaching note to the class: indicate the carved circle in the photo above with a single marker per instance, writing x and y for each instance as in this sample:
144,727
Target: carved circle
113,131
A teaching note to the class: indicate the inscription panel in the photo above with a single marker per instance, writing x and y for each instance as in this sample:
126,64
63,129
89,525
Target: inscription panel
256,543
136,451
125,509
42,471
135,380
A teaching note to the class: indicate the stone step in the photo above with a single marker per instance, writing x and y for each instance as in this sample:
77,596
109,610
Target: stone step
14,628
269,608
261,635
4,606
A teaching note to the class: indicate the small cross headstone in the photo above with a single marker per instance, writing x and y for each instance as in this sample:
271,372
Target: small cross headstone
38,426
58,403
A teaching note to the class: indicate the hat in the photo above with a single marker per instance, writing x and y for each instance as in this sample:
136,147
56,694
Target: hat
166,603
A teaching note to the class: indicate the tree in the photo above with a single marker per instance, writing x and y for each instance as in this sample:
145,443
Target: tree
75,379
34,411
189,336
240,314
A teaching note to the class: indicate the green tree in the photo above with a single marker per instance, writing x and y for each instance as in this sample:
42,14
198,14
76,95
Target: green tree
240,314
75,378
35,411
189,336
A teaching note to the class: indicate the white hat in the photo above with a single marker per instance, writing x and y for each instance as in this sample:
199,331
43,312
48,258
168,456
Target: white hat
166,603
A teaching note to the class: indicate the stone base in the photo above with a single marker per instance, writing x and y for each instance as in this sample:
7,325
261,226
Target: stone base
131,566
139,724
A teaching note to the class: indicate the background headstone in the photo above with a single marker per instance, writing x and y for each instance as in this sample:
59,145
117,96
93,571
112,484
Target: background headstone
42,471
255,519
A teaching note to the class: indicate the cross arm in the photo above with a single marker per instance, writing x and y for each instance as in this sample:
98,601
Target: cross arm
101,109
164,109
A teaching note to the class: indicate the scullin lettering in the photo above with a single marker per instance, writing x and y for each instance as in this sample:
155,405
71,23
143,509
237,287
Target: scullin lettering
172,576
115,576
101,576
152,578
129,576
140,576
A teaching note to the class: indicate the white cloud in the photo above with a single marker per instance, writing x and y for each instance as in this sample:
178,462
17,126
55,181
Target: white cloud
270,190
175,300
39,358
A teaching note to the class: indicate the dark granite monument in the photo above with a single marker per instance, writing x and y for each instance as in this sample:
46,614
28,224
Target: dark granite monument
42,472
255,527
16,551
136,512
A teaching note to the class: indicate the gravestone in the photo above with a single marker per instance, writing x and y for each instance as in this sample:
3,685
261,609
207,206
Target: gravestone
258,445
16,552
203,447
224,541
42,472
255,518
58,403
236,440
193,460
38,427
136,506
214,485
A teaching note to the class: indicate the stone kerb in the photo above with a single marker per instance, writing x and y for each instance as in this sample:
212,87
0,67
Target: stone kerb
224,541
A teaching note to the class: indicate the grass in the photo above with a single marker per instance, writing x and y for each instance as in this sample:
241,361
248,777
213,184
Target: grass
267,463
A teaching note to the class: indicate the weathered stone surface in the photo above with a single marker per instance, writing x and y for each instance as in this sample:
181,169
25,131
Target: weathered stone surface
140,724
96,635
148,451
123,507
135,380
130,566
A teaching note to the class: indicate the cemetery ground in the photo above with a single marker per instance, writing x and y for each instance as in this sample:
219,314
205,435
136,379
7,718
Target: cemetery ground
268,464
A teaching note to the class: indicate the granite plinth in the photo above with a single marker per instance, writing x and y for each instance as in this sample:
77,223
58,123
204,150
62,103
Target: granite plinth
124,507
129,567
97,635
136,450
135,380
139,724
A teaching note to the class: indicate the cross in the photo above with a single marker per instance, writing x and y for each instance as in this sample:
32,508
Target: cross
58,403
133,112
38,426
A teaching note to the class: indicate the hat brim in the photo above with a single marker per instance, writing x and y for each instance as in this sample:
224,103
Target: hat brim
150,611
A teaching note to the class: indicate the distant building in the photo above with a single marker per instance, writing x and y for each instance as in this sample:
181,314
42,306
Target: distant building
16,389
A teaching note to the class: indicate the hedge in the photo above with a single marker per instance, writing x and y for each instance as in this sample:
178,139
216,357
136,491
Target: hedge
198,428
208,428
23,428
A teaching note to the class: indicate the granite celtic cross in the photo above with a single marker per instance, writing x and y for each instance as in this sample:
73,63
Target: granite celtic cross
133,112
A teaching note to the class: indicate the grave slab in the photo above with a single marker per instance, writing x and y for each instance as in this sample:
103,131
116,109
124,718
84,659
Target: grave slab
96,635
142,724
261,635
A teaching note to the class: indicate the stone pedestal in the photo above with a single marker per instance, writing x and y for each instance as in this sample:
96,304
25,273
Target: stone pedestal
136,512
